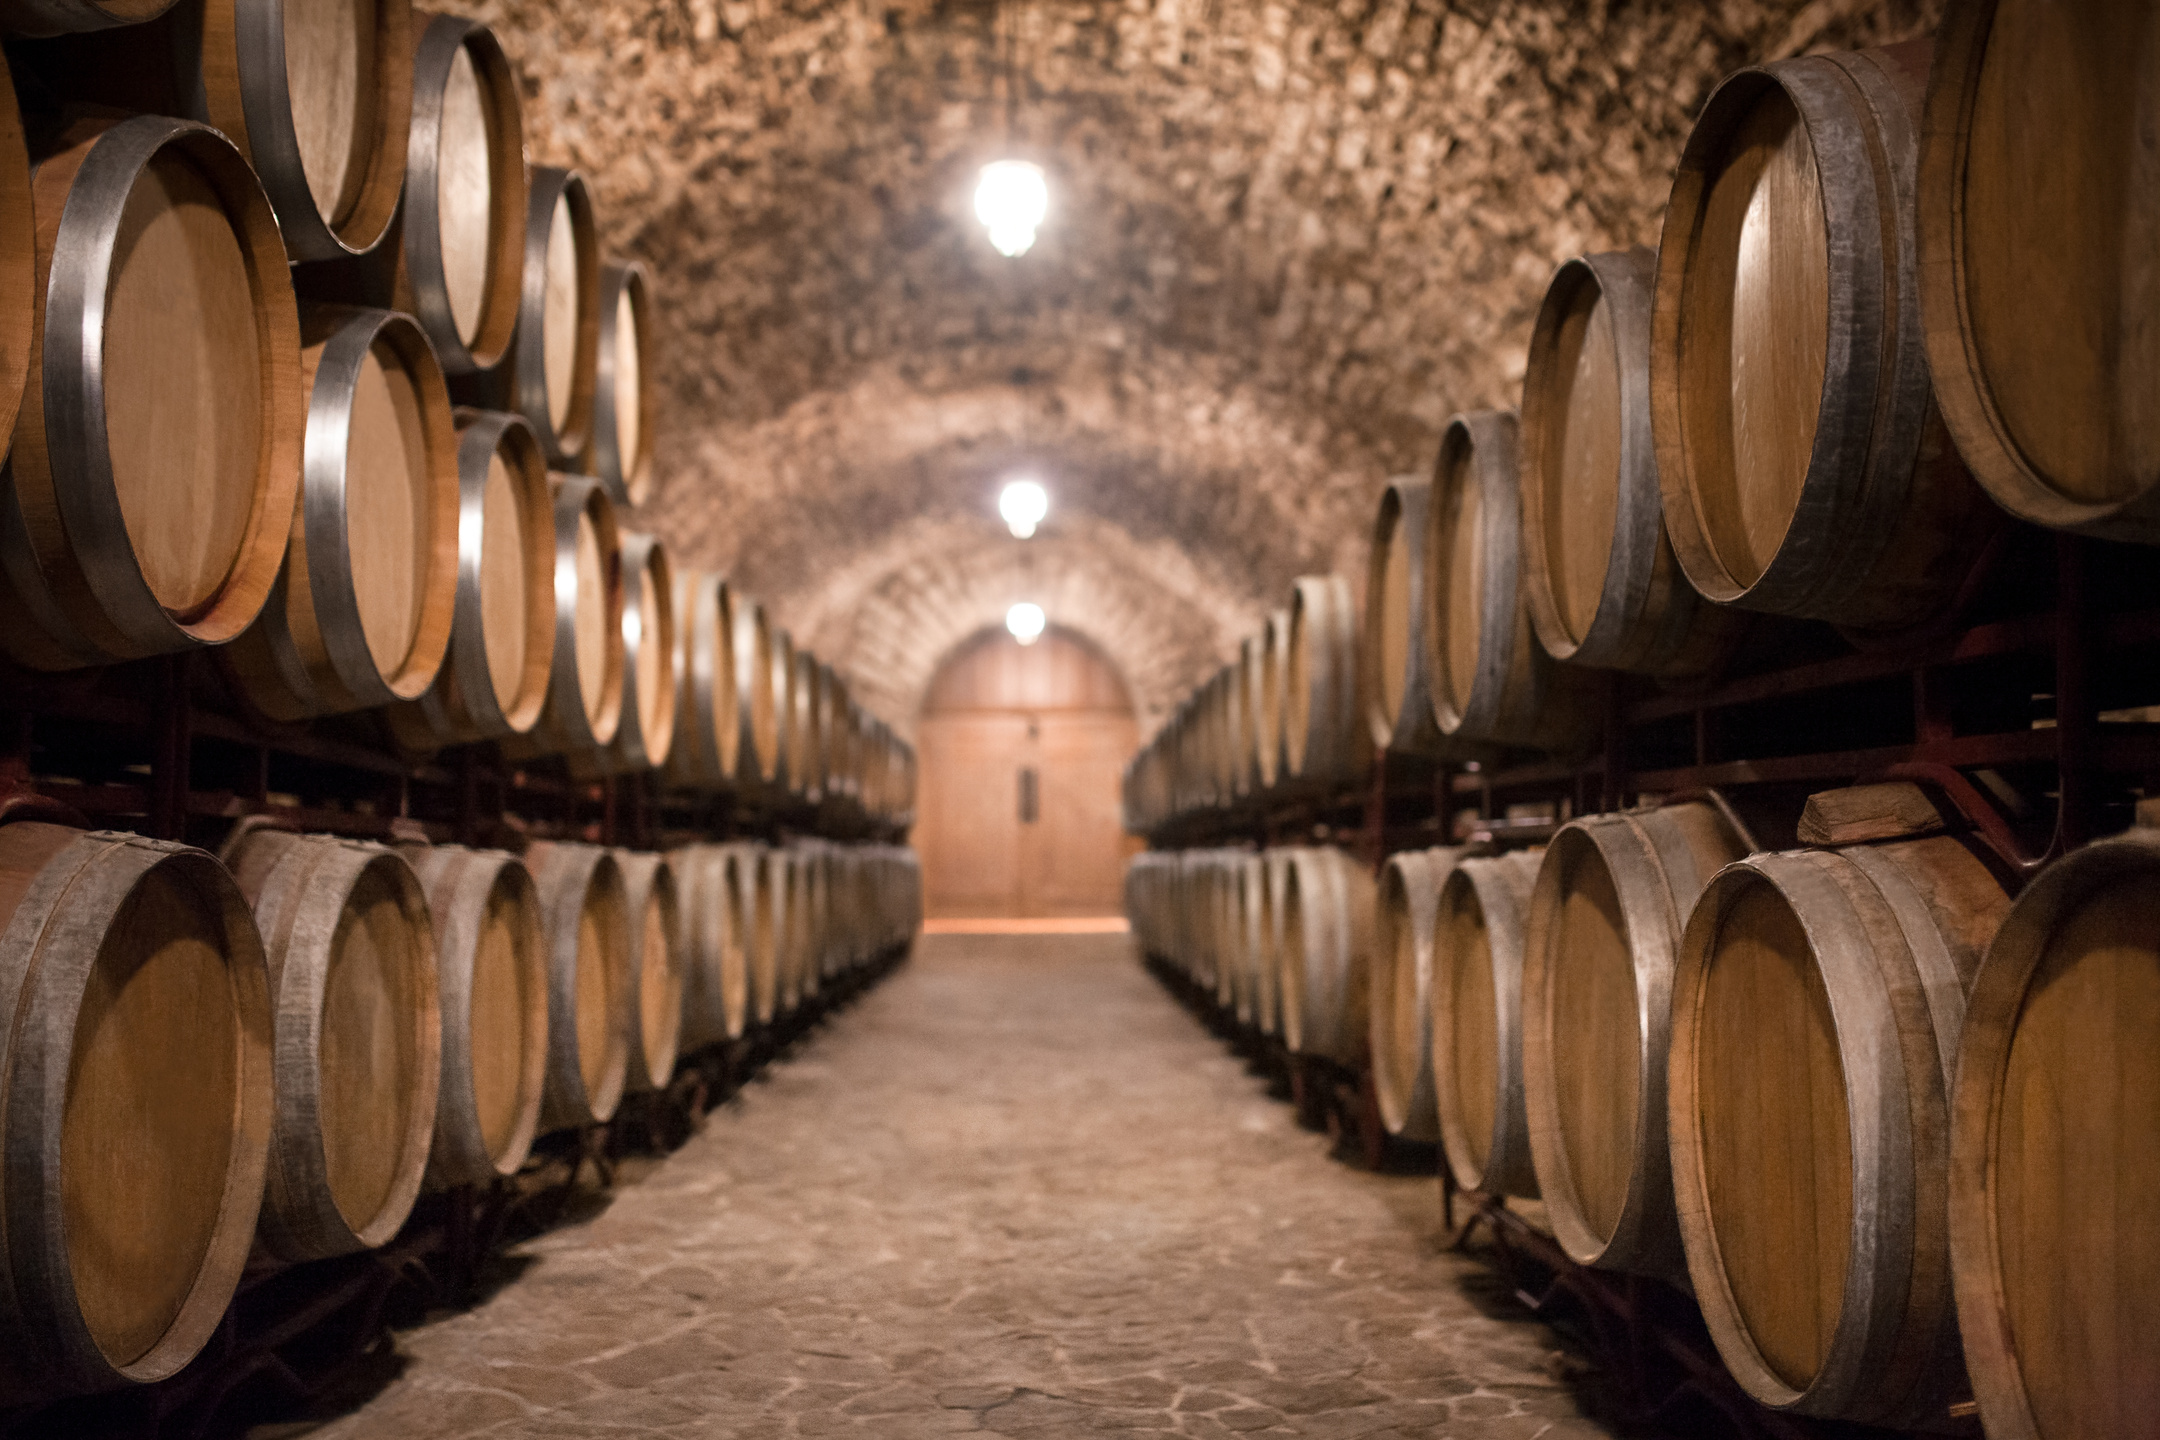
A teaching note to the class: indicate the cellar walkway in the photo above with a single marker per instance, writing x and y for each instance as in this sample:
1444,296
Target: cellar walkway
1013,1191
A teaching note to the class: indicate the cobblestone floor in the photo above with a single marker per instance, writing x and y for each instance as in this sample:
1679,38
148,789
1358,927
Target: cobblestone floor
1013,1191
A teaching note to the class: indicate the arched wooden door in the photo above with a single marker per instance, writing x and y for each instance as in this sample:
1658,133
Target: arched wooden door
1017,809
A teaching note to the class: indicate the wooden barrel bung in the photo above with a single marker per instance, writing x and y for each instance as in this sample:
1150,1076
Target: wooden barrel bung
362,614
1395,688
18,261
558,331
1324,740
137,1060
1491,683
60,17
1327,928
358,1038
1601,940
1401,991
1476,994
646,733
461,259
494,678
618,447
318,97
657,964
492,982
153,474
2039,195
1804,469
585,909
2054,1158
584,706
1603,586
1815,1019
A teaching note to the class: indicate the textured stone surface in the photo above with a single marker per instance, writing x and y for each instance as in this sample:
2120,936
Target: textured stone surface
1015,1192
1287,241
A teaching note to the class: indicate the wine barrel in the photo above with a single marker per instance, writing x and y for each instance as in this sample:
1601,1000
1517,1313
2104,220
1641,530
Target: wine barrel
618,447
657,965
806,742
835,707
1815,1018
18,260
647,730
558,329
59,17
361,615
1598,571
1396,687
757,741
358,1040
2054,1159
1246,934
494,678
795,983
768,943
461,231
585,908
708,725
1324,742
137,1066
1804,469
1402,1005
2039,192
491,980
1602,937
318,97
781,650
709,941
1491,683
585,680
1272,758
150,490
1477,1050
1326,944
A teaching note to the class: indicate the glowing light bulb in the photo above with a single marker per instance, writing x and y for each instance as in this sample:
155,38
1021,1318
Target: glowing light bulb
1026,621
1023,504
1011,200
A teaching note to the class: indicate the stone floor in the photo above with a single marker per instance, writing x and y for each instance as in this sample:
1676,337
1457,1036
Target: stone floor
1013,1191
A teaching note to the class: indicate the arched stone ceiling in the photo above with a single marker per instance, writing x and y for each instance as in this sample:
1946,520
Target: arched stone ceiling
1286,242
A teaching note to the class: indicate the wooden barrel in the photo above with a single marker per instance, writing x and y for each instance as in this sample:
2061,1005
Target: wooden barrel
708,727
657,966
1275,880
768,932
558,331
585,907
1804,469
806,740
1402,1005
2054,1158
757,741
1815,1019
1324,741
781,653
150,490
1244,935
2039,193
618,447
1325,957
494,679
833,732
491,980
318,97
137,1061
1395,689
361,616
1476,995
58,17
1602,584
1271,758
797,985
461,233
1491,683
584,706
18,260
358,1039
646,733
1603,935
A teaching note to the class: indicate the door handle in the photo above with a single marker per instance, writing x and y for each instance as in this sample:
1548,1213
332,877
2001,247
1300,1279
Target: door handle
1030,799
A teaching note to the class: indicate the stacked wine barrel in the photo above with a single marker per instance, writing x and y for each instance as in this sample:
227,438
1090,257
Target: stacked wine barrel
1882,1101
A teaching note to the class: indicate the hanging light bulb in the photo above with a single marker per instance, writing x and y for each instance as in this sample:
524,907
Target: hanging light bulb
1011,200
1026,621
1023,504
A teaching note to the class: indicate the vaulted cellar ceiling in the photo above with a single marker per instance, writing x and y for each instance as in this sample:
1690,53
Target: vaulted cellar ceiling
1286,243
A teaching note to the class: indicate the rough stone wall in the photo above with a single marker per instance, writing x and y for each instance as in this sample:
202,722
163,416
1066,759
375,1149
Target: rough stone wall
1286,242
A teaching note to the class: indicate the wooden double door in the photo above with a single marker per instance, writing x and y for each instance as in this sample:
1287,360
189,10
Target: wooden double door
1017,806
